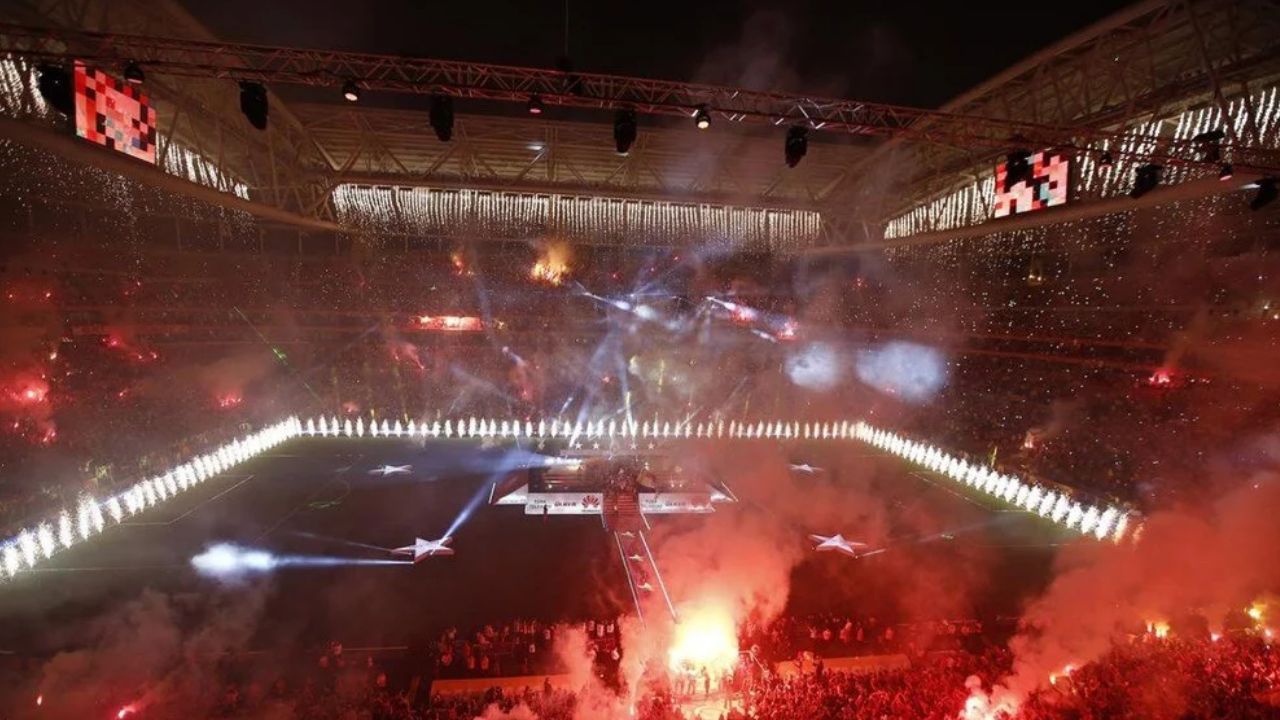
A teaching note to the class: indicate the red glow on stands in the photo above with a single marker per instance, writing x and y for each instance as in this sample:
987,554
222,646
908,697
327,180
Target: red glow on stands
131,351
459,265
126,711
49,437
39,700
1162,377
450,323
552,266
29,293
28,391
408,356
350,407
229,400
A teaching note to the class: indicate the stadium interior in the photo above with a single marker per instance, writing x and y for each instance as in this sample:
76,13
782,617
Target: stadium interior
348,376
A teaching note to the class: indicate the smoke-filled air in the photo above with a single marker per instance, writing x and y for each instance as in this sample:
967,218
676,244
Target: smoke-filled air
618,361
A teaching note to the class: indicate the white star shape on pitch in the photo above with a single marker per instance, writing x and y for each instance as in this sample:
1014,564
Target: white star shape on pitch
837,543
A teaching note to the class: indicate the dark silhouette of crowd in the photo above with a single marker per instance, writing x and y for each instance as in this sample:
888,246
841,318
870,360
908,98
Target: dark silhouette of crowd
1231,677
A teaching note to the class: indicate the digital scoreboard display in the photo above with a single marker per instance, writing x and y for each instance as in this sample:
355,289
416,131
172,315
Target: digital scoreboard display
1042,182
113,114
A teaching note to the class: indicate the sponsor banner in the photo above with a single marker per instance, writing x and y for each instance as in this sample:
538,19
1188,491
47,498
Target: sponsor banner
667,503
564,503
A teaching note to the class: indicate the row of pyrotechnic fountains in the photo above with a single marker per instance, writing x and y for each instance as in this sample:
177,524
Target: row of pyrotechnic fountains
34,545
656,429
92,515
1052,503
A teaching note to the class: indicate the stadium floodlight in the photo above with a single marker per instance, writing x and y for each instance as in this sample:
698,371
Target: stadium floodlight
351,91
133,74
702,118
1210,143
441,117
253,103
624,130
797,144
1145,179
535,104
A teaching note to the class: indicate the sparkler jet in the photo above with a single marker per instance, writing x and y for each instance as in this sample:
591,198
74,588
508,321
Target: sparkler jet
385,470
421,549
837,543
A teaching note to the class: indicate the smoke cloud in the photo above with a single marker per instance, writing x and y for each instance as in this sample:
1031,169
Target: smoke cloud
140,654
816,366
914,373
1210,560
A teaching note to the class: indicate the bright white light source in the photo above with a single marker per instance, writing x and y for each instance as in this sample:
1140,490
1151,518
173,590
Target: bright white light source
815,366
914,373
226,559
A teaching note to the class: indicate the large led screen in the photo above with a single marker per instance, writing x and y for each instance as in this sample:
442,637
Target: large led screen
1039,184
114,114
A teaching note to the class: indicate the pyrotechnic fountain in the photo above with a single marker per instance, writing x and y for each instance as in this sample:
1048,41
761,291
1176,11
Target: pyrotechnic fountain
1055,504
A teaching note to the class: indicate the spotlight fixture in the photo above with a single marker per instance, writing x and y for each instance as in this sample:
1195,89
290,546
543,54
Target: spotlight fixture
1017,168
1145,179
1105,159
133,74
1266,193
1210,144
253,103
351,91
702,118
1226,172
1214,135
55,87
624,130
796,146
535,105
441,116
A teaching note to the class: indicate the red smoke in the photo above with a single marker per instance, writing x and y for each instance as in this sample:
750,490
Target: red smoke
1211,560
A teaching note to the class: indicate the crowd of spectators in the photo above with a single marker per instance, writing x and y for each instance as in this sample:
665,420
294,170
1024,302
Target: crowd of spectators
850,634
1231,677
1139,437
520,647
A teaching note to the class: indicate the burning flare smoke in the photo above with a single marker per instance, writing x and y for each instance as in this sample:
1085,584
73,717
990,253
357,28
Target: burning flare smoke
552,266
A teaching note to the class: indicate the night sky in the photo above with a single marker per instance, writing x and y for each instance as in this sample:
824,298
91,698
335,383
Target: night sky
908,53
